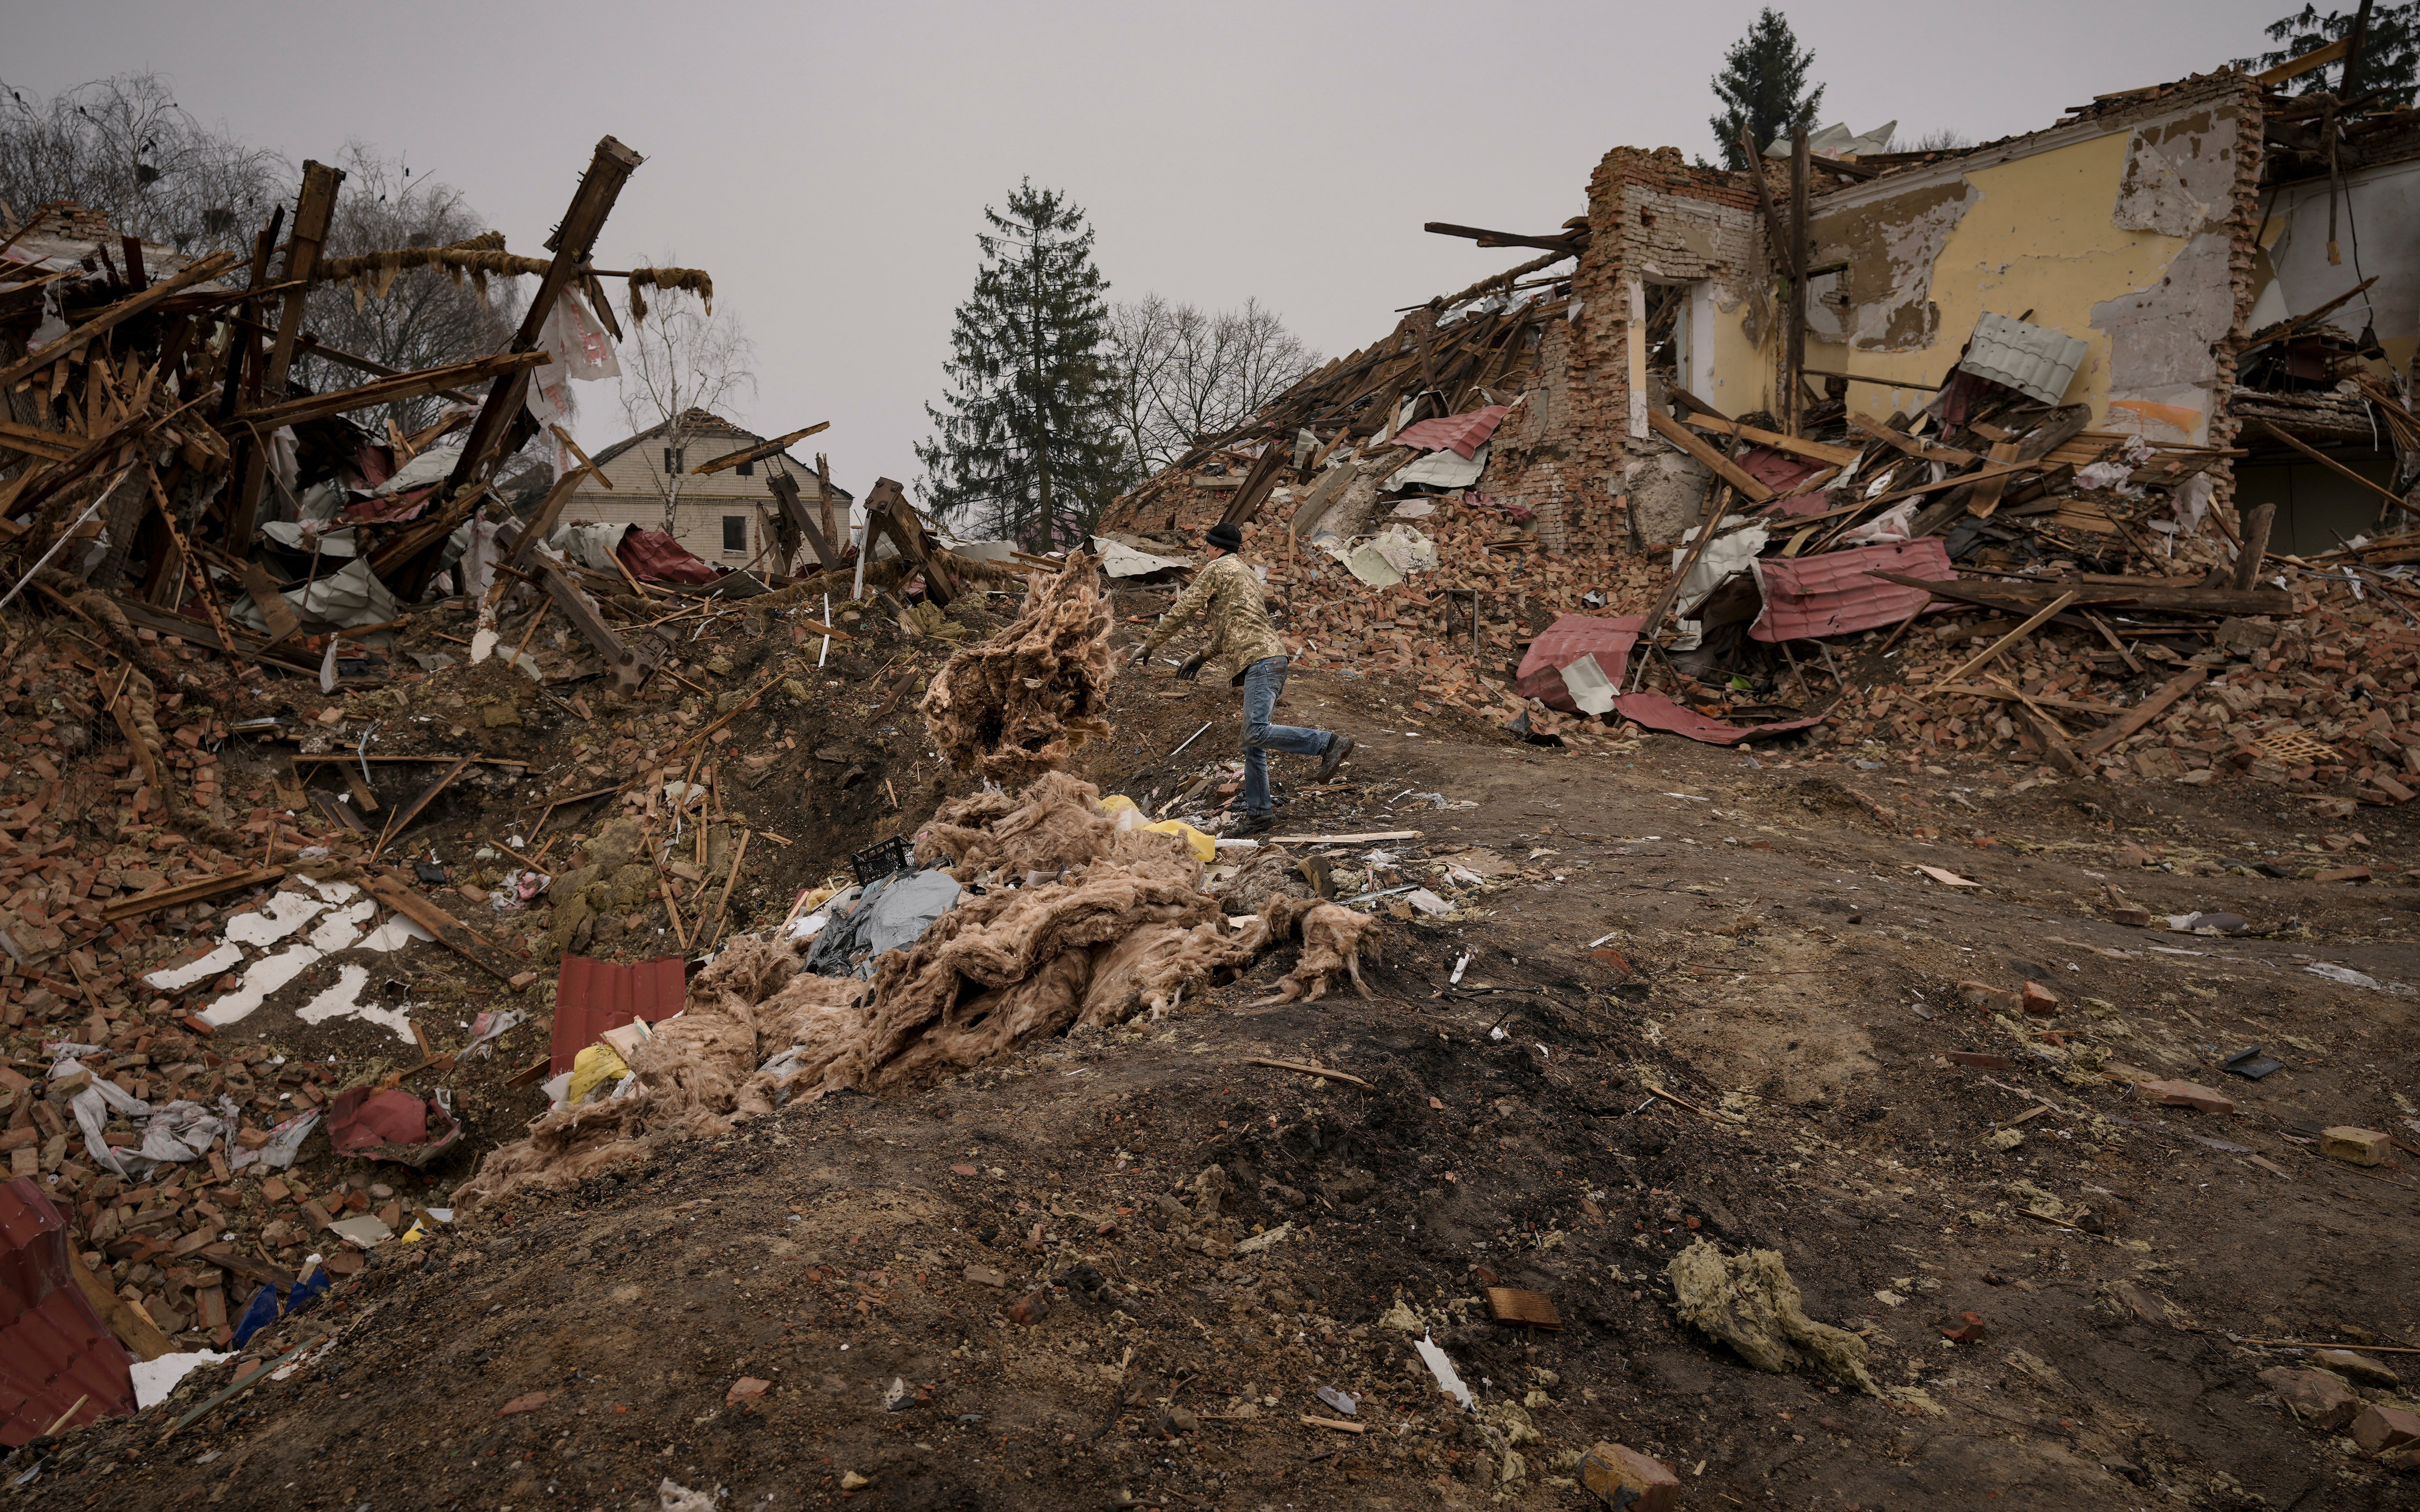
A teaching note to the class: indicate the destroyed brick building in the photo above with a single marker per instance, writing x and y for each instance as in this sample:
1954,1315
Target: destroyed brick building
755,1002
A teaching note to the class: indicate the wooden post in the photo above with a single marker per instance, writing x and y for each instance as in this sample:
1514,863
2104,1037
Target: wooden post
2258,523
1795,359
824,500
504,414
313,212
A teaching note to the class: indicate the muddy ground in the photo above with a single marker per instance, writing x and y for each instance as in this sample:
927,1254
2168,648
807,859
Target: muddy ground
1745,932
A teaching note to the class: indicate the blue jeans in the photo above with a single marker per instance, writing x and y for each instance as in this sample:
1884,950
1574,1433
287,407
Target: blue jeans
1264,680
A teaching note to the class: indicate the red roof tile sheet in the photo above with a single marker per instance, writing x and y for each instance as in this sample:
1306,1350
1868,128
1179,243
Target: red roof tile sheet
1656,712
1566,641
1831,595
592,996
1779,471
655,557
1462,435
54,1348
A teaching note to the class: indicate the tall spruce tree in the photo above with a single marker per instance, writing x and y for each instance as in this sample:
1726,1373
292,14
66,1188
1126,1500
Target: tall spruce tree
2390,53
1025,444
1764,87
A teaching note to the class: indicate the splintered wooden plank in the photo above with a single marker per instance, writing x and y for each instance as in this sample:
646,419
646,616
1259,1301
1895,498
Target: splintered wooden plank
455,935
188,892
396,824
2147,711
1722,467
1510,1305
760,449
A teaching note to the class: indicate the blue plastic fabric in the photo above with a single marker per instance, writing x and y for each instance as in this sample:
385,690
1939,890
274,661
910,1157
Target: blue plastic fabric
263,1309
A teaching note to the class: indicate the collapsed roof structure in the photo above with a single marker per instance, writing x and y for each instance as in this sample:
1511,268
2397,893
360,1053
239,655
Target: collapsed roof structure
2104,376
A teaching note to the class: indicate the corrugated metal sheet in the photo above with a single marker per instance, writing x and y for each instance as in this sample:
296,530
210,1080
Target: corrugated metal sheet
1656,712
1782,472
1831,595
1566,641
1461,433
2036,361
591,996
655,557
54,1348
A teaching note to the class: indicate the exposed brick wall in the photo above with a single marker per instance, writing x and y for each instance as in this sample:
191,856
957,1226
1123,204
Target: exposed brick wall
2243,234
1652,212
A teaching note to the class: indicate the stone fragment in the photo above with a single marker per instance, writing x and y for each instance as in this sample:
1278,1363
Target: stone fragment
2381,1428
2188,1095
746,1389
2318,1400
2353,1367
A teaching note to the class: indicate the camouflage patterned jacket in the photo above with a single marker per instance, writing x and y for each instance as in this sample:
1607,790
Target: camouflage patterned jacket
1228,597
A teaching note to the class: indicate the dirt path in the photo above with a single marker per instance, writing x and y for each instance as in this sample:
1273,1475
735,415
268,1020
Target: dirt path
1776,964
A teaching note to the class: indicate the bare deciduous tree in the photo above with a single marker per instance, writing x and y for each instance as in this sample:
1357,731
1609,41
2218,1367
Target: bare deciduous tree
679,360
1186,373
123,147
426,317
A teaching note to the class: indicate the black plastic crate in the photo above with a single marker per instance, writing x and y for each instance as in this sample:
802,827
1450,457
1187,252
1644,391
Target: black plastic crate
879,861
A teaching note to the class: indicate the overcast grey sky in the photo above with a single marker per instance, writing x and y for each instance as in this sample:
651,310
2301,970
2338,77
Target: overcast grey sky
829,163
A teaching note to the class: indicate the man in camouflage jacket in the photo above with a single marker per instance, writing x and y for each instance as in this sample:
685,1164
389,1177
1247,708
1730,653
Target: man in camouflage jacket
1226,592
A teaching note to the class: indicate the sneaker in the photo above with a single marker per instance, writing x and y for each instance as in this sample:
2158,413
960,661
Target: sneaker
1250,824
1340,750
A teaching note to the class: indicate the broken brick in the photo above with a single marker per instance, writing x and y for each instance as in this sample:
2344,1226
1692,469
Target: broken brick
2178,1094
1622,1477
2380,1428
2038,1000
2359,1146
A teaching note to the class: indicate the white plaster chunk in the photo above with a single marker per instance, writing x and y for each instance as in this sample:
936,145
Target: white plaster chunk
284,913
343,927
344,1000
267,975
396,934
171,978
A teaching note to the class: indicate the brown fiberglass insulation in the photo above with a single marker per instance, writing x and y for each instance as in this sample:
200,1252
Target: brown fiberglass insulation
1122,931
1020,704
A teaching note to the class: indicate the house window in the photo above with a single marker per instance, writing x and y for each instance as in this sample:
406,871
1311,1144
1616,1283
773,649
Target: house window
672,460
735,532
746,470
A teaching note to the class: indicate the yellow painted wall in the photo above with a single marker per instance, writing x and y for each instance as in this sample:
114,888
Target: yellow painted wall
2039,238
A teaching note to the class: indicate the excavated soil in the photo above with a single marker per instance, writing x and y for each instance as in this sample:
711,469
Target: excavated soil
1708,996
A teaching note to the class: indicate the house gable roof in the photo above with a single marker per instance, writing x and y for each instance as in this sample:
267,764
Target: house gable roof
705,424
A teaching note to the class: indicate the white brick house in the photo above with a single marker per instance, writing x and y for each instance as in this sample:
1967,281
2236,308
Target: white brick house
714,516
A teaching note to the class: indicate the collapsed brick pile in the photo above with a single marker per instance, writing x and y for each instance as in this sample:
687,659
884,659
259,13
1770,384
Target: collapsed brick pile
2320,700
1421,626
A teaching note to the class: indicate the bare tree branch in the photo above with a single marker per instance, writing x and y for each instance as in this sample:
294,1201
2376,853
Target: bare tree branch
678,361
1186,373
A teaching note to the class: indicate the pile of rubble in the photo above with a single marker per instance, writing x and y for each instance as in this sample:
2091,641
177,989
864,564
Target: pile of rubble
1034,913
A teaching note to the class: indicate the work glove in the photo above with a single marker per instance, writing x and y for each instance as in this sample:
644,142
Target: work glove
1192,669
